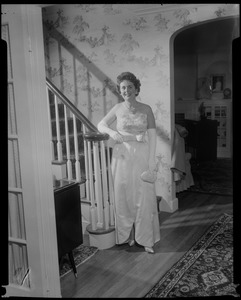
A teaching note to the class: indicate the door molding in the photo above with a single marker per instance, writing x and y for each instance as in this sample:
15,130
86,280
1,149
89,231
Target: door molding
27,55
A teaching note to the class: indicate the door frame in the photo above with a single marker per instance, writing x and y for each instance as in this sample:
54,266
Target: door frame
172,83
28,64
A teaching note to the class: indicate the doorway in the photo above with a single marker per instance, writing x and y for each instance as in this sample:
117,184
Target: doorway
202,53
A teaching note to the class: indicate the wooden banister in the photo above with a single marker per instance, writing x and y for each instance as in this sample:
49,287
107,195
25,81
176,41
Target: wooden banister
88,144
71,106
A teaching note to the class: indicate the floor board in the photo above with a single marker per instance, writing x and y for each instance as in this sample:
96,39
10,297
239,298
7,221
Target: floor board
123,271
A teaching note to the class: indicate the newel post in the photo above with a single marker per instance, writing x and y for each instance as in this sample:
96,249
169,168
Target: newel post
101,229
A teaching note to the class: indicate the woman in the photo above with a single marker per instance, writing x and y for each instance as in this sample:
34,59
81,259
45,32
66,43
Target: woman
136,216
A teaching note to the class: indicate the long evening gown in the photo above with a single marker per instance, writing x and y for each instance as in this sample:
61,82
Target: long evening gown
135,200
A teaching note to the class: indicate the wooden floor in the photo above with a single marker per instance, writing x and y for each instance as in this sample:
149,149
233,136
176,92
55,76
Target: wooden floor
123,271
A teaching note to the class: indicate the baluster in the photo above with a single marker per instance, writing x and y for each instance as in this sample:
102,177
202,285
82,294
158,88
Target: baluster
59,144
50,126
111,187
91,186
76,150
98,190
104,182
69,164
87,182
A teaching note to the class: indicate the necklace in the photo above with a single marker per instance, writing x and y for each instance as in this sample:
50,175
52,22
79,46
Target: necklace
130,108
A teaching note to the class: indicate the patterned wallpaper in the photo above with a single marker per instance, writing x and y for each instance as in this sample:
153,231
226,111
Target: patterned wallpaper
88,45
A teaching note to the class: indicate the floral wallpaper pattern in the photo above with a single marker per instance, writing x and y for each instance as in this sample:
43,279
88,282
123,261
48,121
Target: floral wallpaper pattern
107,39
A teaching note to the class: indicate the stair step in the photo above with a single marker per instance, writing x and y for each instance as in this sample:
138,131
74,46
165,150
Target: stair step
72,156
62,126
60,109
63,136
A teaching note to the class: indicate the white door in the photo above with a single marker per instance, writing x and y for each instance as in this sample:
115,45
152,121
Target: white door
32,247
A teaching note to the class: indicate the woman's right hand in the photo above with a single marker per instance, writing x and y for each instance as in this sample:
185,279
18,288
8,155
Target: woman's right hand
117,137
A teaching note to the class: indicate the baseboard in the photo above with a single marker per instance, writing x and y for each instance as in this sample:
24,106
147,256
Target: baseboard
85,216
168,206
84,226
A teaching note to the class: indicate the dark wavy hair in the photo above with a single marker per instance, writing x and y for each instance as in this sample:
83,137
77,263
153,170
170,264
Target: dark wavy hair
130,77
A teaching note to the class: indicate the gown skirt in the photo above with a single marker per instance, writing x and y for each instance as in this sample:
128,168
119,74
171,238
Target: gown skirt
135,200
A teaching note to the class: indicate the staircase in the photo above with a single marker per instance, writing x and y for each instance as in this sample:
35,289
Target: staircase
80,153
63,140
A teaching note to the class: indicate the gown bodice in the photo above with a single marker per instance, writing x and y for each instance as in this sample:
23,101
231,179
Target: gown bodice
132,123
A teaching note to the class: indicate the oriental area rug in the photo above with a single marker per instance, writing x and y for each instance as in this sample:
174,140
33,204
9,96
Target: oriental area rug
81,254
205,270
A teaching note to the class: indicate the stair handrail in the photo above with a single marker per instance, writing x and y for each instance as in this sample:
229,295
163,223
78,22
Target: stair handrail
71,106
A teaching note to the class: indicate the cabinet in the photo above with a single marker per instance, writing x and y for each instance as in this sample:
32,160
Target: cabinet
221,111
202,139
68,218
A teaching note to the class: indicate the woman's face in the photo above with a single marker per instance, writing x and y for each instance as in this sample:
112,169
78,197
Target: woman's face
128,90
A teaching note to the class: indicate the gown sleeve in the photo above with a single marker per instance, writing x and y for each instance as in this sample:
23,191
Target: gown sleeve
151,123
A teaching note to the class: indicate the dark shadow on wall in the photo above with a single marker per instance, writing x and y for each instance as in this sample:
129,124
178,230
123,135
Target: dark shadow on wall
107,83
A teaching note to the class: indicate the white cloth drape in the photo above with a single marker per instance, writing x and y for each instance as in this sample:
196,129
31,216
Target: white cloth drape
180,164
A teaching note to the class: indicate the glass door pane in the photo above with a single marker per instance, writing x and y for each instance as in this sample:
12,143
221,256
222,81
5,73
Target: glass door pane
17,245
